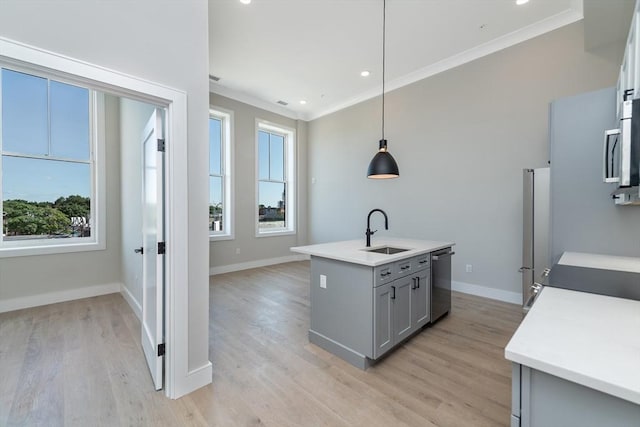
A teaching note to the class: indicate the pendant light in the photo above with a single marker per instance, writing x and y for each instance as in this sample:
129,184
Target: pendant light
383,165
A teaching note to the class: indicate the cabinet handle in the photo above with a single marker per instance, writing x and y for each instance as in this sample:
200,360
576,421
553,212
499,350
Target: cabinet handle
405,267
385,274
418,282
414,283
423,261
393,295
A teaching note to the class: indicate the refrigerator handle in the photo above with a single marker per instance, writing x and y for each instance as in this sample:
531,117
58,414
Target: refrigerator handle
535,290
522,269
608,156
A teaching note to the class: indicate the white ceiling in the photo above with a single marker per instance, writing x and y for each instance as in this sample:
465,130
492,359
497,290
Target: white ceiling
314,50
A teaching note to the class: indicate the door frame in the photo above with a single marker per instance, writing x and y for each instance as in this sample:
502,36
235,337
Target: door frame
179,380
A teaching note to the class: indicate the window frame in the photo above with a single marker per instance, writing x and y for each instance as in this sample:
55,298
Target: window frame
97,240
290,172
226,166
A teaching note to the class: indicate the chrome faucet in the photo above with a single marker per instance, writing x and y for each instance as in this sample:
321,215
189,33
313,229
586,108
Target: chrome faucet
369,233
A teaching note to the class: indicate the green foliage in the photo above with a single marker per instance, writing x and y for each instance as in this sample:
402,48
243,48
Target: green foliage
43,218
73,206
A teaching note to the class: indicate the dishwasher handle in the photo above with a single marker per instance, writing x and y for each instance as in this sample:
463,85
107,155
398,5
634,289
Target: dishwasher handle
437,257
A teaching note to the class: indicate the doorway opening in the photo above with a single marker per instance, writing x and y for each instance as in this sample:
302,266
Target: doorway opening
179,380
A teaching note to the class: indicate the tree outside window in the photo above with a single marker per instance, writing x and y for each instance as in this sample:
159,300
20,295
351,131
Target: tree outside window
47,159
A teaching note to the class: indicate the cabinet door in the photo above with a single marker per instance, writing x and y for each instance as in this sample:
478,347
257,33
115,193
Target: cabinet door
383,320
402,325
420,298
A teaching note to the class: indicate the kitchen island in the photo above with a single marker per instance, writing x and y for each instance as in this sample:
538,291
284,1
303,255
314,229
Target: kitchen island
576,361
366,301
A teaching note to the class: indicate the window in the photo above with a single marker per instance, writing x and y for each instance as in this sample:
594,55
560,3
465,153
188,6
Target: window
276,172
220,151
48,169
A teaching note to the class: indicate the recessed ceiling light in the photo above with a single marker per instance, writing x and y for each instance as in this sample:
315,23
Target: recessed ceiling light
249,1
518,2
302,102
365,73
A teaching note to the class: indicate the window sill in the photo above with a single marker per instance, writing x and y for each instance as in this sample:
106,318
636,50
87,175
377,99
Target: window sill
218,237
276,233
51,249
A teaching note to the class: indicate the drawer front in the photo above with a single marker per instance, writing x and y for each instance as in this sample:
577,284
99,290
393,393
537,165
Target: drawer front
383,274
421,261
404,267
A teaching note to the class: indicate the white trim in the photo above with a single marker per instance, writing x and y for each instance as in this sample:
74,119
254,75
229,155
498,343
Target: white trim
177,255
176,186
290,171
255,264
132,301
276,232
99,172
49,247
228,169
219,237
486,292
246,98
197,378
56,297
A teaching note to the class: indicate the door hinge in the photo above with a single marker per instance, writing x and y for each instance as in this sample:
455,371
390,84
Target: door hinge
160,349
161,145
162,247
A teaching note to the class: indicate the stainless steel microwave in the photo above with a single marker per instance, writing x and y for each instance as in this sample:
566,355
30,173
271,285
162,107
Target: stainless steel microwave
621,159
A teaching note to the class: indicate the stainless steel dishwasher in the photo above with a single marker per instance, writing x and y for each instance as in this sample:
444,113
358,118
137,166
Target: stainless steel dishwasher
440,283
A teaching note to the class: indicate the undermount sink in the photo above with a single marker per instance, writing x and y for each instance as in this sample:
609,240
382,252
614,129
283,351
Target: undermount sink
387,250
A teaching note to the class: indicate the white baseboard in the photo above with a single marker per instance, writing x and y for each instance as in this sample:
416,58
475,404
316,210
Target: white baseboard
60,296
132,301
255,264
483,291
195,379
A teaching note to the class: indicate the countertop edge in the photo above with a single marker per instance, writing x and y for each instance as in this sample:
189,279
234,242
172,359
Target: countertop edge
559,333
384,259
600,261
575,377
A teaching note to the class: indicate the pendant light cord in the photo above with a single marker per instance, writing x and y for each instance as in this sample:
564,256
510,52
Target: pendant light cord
384,16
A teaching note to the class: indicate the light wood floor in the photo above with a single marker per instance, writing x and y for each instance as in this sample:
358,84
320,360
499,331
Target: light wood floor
80,364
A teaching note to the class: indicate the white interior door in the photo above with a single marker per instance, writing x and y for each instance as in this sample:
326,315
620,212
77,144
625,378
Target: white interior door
153,253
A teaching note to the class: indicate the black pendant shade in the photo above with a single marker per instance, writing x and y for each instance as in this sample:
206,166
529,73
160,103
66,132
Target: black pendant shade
383,165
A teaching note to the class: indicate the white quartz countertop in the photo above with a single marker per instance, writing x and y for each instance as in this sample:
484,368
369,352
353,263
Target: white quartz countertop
353,251
589,339
603,262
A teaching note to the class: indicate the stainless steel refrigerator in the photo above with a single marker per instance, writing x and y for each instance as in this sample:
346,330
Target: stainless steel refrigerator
535,237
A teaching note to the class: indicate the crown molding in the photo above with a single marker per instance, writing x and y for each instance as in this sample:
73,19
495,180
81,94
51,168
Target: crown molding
549,24
253,101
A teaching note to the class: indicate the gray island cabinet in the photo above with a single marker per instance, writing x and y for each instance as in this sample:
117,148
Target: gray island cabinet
364,304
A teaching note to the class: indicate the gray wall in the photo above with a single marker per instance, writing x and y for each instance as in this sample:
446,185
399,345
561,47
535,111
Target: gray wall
163,41
34,275
584,218
252,248
133,117
461,139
